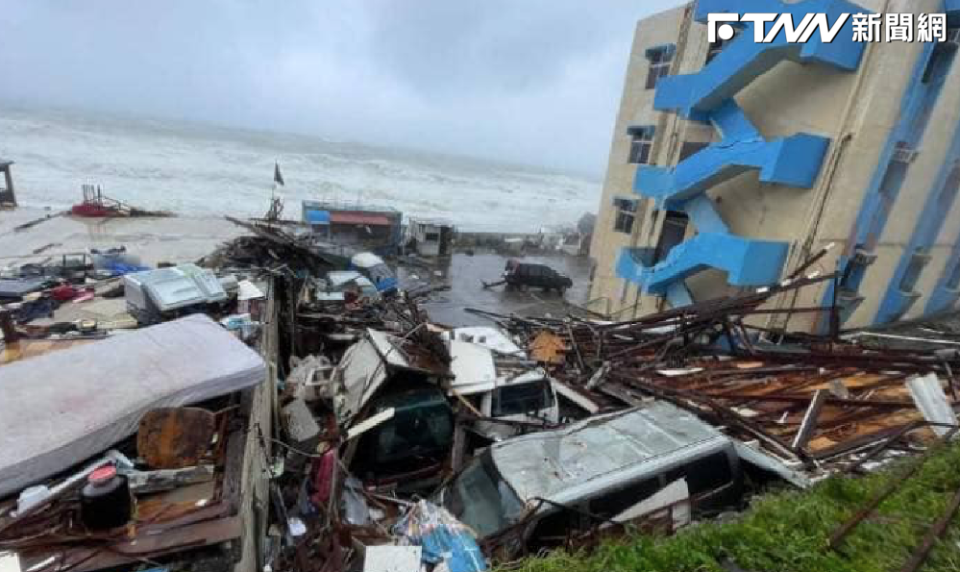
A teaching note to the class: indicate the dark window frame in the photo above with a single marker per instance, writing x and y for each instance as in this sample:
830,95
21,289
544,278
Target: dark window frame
661,61
940,62
626,215
953,280
951,186
918,261
641,144
714,48
672,233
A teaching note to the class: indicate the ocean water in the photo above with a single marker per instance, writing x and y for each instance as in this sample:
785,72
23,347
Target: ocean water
198,169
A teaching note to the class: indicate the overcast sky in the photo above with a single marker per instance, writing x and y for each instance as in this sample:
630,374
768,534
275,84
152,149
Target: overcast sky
527,81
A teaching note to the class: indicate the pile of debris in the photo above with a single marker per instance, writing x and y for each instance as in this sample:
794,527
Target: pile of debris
810,401
127,449
97,205
270,249
384,441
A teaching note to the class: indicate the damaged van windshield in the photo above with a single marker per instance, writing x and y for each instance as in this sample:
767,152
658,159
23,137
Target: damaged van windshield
418,435
480,498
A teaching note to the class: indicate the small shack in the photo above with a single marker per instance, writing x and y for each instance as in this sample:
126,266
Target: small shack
8,198
430,237
374,228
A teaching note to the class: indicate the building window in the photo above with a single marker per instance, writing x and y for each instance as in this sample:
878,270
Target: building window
953,283
673,232
660,59
718,46
641,144
691,148
914,268
626,214
950,187
940,60
854,272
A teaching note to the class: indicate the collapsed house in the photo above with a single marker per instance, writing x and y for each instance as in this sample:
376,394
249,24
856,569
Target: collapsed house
381,439
140,447
816,404
430,237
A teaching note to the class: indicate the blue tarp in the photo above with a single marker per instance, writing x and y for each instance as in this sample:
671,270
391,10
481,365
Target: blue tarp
443,538
120,268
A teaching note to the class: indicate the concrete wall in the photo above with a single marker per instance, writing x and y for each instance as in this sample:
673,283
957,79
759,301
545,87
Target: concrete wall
610,293
858,111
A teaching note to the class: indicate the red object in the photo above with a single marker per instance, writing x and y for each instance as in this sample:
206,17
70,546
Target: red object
359,218
102,475
87,294
323,478
94,210
64,293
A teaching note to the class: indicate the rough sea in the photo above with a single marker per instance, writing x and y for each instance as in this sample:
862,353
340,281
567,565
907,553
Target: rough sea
203,170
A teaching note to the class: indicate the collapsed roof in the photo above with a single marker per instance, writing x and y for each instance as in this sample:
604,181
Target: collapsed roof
64,407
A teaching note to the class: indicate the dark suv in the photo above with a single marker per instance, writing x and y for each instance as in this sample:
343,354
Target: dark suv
535,275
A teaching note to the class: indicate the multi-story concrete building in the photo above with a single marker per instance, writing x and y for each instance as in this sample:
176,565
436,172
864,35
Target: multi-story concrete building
733,162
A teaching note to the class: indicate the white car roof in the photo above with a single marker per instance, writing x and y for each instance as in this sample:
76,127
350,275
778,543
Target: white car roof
567,464
366,260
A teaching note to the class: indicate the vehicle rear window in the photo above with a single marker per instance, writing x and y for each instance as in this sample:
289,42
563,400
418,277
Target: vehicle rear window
521,398
704,475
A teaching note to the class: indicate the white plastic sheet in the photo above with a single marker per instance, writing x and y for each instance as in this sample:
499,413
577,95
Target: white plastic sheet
59,409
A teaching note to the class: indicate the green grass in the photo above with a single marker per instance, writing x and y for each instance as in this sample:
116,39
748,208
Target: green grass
788,531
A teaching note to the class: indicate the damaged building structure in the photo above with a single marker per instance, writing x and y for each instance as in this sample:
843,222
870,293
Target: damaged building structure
731,162
248,410
270,403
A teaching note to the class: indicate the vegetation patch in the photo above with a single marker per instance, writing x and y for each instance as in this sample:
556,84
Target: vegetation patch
788,531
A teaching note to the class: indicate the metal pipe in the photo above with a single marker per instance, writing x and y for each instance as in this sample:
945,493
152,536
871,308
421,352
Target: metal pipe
892,486
936,531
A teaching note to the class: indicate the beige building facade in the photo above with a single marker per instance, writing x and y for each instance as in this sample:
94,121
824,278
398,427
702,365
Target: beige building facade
732,163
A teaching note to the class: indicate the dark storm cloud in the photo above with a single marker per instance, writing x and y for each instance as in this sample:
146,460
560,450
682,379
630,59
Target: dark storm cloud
528,81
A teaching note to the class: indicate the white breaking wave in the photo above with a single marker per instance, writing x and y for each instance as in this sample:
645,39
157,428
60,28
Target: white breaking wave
204,170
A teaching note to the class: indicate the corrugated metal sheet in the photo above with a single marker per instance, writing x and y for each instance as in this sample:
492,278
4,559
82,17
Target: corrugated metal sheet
928,394
602,451
359,218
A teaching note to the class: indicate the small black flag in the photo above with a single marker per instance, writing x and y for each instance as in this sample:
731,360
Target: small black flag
277,177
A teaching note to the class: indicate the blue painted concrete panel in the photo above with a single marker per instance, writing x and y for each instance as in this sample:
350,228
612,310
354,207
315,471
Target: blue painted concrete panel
679,295
939,201
732,123
693,96
708,96
909,106
747,262
889,175
703,214
794,161
943,297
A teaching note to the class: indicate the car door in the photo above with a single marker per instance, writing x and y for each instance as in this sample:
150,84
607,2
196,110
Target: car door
543,277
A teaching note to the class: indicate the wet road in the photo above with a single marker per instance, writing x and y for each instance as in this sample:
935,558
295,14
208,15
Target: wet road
183,239
465,275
